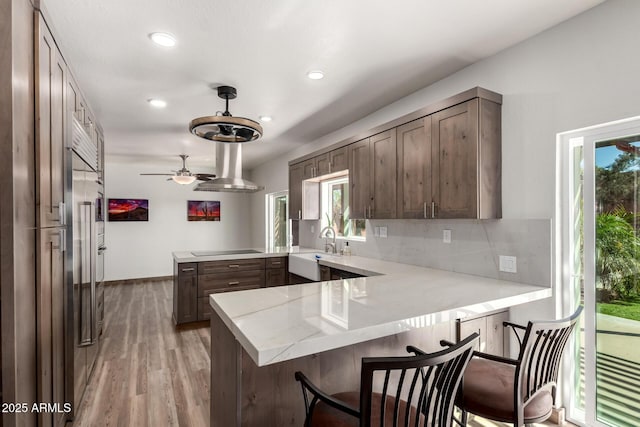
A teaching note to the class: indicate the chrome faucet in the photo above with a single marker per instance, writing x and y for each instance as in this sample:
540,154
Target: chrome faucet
325,234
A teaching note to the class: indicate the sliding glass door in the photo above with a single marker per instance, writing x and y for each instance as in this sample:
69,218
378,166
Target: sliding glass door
599,226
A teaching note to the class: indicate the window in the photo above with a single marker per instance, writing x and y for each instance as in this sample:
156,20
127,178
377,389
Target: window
277,230
335,209
599,267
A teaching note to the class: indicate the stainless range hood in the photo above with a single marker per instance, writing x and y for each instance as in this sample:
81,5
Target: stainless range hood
229,171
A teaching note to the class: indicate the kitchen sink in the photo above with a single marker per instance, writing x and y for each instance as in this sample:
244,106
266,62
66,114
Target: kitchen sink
229,252
306,264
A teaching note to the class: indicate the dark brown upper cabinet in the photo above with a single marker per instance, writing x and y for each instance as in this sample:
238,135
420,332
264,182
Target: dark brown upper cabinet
414,169
295,191
372,177
443,161
51,79
466,161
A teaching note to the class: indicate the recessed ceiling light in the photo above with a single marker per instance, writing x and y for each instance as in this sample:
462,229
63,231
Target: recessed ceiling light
315,74
157,103
265,118
163,39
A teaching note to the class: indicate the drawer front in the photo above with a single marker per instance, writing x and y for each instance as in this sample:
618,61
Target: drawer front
276,277
235,280
276,262
187,269
230,265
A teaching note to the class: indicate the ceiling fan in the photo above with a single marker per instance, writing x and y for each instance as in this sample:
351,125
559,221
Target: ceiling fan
184,176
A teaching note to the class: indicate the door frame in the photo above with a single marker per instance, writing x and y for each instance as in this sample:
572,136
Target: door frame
565,266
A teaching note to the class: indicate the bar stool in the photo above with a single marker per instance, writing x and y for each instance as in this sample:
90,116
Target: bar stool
416,390
520,391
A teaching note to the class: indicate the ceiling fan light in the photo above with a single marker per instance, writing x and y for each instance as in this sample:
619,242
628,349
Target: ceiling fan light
225,127
184,179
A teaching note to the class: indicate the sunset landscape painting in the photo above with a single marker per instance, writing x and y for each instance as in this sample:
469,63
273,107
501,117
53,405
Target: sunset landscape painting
128,210
203,210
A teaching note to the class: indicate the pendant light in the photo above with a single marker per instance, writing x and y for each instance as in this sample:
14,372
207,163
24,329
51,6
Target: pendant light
225,127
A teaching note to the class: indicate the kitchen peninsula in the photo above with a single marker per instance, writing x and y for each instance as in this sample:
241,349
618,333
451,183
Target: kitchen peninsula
260,337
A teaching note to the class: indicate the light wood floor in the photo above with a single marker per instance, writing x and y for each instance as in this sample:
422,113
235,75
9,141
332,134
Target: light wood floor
149,373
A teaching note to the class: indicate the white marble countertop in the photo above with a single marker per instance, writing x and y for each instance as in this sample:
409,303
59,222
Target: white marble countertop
286,322
186,256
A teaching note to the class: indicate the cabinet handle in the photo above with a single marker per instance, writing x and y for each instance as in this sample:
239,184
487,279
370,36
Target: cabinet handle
425,209
329,167
234,265
234,283
433,209
299,214
62,213
184,270
275,263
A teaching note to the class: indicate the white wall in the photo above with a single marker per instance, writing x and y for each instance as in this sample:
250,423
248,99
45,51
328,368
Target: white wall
143,249
579,73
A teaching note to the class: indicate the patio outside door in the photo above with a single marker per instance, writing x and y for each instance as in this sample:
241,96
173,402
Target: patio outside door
600,268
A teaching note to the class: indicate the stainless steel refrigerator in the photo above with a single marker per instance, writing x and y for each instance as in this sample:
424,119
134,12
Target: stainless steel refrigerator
85,291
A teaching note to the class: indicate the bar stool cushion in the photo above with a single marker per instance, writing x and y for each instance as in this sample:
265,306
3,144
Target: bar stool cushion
488,392
325,415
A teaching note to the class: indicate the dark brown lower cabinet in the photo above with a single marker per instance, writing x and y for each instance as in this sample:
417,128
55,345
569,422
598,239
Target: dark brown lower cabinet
194,282
50,308
276,273
185,292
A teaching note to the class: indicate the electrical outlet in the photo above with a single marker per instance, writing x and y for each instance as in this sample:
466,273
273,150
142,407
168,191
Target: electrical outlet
376,231
508,264
383,232
313,229
446,236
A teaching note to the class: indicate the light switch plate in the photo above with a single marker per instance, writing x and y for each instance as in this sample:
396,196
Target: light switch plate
383,232
446,236
508,264
313,229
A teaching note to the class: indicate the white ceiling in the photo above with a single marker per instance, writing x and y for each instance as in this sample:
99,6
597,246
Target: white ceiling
373,52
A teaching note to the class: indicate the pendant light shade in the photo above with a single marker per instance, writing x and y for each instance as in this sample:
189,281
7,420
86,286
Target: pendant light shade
183,179
225,127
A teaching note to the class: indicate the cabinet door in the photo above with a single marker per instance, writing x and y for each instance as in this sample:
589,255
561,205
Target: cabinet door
323,164
339,159
275,277
467,327
51,80
383,172
414,169
50,325
490,330
359,179
495,340
187,290
295,191
308,169
455,161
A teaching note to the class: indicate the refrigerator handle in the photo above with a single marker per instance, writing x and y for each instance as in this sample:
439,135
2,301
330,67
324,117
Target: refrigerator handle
86,339
94,249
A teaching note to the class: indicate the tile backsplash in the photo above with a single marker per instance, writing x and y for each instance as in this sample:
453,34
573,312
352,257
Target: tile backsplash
475,247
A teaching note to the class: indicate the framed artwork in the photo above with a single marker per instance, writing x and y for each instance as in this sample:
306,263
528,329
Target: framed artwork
128,210
203,210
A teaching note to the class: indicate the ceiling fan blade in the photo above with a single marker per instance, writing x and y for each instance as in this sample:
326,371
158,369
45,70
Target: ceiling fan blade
203,176
164,174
